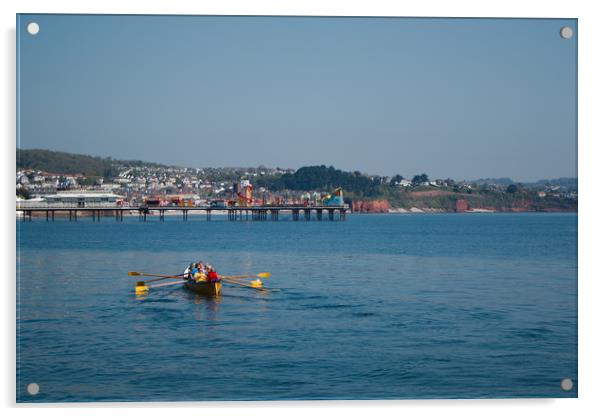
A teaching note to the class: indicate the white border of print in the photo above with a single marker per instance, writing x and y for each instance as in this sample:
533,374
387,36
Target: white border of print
590,32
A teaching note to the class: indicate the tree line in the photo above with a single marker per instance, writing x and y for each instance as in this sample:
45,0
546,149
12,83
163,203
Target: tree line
322,178
65,163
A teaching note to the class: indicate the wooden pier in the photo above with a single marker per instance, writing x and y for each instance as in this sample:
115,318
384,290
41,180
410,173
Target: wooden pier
236,213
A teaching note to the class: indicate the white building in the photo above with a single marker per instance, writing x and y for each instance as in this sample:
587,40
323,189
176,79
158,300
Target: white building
83,199
404,183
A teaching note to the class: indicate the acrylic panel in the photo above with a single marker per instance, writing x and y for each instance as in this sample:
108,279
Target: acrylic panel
295,208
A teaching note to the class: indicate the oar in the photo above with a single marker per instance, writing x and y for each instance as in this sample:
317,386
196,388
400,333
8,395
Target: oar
142,288
165,276
263,275
161,276
234,282
166,284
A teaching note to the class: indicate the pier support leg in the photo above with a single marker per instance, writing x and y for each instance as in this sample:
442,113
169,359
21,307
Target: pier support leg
343,215
319,214
52,216
46,215
307,213
331,214
208,215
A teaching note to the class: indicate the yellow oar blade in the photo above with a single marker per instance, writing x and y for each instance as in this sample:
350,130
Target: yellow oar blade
134,274
264,275
141,288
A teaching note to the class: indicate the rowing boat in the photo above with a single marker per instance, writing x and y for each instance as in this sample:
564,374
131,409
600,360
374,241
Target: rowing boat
199,285
204,288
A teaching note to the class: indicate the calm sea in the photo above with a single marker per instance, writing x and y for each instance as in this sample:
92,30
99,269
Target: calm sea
377,307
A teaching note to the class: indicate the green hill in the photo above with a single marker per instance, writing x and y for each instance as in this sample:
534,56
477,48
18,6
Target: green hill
324,178
65,163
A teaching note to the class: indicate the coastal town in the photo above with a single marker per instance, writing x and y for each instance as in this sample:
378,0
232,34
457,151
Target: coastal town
162,187
136,183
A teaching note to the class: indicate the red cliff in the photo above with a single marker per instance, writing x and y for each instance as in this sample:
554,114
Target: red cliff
461,205
377,206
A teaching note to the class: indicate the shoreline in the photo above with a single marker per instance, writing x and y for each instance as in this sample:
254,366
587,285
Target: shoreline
414,210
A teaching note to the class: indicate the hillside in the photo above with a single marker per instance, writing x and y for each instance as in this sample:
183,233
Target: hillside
322,178
65,163
565,183
525,199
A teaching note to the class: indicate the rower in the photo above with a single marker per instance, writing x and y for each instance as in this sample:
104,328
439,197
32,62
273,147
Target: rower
212,274
199,272
191,271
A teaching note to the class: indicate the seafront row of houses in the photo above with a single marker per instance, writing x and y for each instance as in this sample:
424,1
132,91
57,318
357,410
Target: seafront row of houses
132,186
178,187
137,182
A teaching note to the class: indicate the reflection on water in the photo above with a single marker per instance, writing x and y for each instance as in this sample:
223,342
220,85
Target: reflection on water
210,307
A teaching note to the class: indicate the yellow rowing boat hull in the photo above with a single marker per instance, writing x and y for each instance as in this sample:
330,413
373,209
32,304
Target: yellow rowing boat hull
205,288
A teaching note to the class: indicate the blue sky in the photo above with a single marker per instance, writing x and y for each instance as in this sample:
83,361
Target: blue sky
459,98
